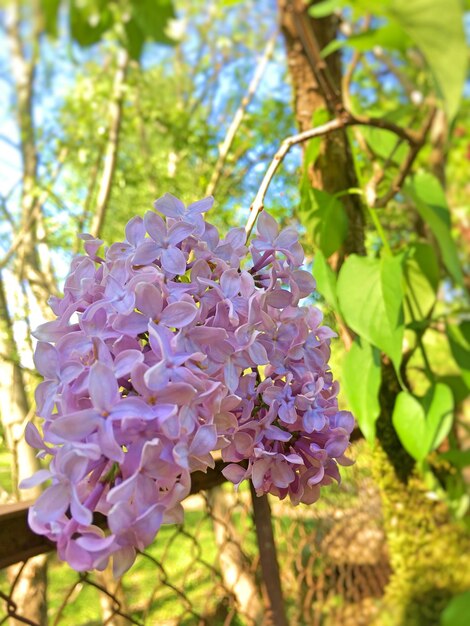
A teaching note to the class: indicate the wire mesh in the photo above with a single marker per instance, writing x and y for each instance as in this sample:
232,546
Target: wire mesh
332,556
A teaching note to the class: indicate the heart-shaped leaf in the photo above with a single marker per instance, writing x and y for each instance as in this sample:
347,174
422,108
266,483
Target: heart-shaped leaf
370,296
361,383
422,423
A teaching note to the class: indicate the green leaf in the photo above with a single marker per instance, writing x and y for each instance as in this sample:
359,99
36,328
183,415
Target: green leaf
459,458
459,341
135,39
457,385
423,423
89,20
457,611
361,383
370,297
421,272
152,17
436,28
323,9
325,278
384,142
325,219
439,407
431,204
390,36
50,10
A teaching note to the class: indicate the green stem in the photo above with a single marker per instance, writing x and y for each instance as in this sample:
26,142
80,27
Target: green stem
380,230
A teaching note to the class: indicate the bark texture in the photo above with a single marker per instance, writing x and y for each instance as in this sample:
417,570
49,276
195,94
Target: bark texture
425,546
334,169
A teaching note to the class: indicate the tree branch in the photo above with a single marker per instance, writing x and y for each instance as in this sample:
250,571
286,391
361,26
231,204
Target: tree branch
406,165
319,131
239,114
416,140
18,240
115,114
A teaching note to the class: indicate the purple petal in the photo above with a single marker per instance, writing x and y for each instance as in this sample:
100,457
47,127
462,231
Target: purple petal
76,426
201,206
282,475
124,491
79,511
125,361
132,407
305,282
46,360
135,230
131,325
122,561
146,253
258,353
108,443
287,238
180,455
45,396
231,375
174,261
36,479
103,387
55,330
236,237
235,473
277,434
279,298
170,206
179,314
147,525
178,232
157,376
149,299
32,436
95,543
177,393
267,226
230,283
155,227
204,441
52,503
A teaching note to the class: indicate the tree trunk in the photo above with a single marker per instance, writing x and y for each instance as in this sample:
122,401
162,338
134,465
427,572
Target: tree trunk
334,170
29,593
426,548
235,571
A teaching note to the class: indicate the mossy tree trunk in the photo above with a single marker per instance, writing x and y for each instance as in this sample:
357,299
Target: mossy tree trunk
427,550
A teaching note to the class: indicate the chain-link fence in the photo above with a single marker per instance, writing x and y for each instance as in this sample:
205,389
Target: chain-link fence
332,559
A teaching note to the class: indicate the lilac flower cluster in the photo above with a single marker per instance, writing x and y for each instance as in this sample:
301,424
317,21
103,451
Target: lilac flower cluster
172,346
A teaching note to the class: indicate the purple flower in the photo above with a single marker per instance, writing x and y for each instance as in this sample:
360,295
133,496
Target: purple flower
165,351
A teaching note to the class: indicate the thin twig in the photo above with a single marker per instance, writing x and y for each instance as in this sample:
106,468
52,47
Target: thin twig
35,213
286,145
240,113
407,164
111,153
